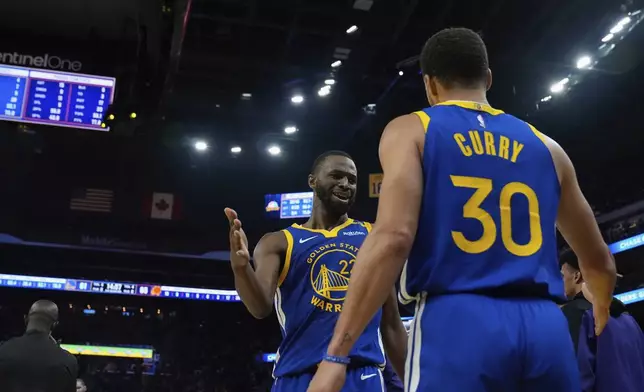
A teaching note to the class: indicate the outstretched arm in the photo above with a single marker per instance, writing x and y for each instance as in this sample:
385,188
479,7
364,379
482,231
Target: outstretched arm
385,250
255,286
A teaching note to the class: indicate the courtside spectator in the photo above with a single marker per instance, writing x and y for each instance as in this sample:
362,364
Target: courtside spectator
33,362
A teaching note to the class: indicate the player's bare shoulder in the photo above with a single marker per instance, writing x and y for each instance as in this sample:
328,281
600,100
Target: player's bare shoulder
273,242
563,165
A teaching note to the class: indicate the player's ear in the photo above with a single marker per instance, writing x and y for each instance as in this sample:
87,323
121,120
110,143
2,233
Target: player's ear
432,90
311,181
578,278
488,81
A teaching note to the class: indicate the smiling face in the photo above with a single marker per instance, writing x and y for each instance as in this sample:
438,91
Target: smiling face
335,183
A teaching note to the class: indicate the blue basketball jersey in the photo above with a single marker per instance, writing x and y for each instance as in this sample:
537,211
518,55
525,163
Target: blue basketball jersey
311,290
490,200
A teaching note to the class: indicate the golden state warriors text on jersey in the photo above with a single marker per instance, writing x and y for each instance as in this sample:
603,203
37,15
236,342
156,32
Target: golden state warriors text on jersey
311,291
488,213
331,266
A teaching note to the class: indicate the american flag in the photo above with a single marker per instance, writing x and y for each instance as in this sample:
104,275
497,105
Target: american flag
95,200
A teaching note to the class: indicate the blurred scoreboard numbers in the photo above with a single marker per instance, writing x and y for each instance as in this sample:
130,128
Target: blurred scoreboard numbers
375,183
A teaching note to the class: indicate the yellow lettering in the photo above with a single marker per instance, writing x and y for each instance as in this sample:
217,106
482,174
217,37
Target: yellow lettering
476,142
315,300
516,150
490,149
338,308
320,305
329,307
460,139
504,147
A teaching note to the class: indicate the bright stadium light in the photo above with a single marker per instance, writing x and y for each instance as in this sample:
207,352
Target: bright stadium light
616,29
584,62
235,150
401,73
290,129
201,145
274,150
246,95
608,37
352,29
559,86
297,99
329,82
546,99
336,64
556,88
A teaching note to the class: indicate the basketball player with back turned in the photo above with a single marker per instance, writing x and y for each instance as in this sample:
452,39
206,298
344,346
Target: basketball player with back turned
305,270
471,196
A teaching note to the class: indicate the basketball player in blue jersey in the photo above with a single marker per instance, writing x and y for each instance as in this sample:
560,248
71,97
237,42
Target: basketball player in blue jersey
472,196
305,270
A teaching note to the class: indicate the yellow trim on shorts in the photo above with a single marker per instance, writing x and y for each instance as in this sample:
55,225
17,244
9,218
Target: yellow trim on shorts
287,258
424,118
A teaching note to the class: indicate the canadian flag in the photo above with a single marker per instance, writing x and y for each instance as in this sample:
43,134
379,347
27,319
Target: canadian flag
163,206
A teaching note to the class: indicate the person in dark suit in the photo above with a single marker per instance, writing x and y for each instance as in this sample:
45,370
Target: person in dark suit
613,361
34,362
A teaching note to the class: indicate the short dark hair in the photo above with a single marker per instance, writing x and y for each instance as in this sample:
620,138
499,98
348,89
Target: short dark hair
322,157
568,257
455,56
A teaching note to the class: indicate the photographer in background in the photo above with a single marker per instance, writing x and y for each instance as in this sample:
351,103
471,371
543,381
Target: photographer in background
613,361
34,361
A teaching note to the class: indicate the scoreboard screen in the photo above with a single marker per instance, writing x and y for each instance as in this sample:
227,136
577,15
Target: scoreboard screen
288,205
54,98
122,288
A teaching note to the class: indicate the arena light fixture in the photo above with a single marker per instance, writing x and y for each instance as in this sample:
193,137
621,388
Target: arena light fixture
200,145
608,37
133,115
336,64
297,99
352,29
559,86
236,149
401,73
274,150
329,82
290,129
584,62
324,91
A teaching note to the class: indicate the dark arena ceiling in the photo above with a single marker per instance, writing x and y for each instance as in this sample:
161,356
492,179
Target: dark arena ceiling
224,72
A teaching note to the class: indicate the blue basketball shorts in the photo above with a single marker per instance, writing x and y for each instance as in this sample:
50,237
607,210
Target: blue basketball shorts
473,343
364,379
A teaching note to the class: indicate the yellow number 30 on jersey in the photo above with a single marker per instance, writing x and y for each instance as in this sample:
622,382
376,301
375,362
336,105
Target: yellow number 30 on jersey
472,210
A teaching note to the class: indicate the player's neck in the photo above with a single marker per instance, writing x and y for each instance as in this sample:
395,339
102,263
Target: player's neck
324,220
464,95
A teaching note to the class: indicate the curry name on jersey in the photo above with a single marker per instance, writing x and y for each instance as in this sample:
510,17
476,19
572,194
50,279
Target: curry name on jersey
490,201
311,290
